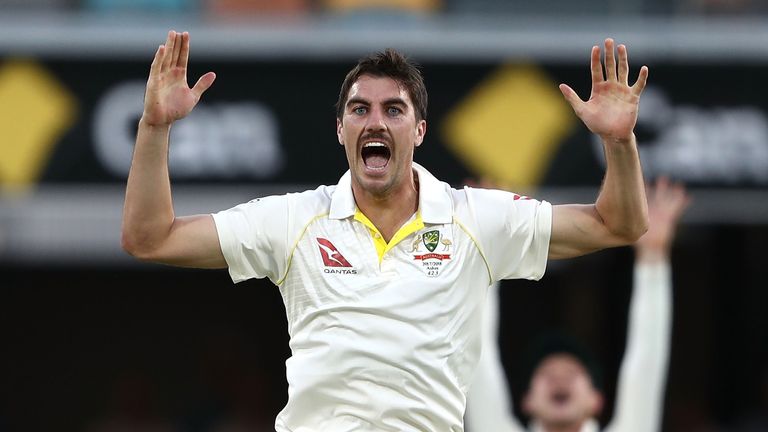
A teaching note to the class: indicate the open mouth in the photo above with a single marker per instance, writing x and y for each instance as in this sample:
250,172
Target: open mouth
375,155
561,397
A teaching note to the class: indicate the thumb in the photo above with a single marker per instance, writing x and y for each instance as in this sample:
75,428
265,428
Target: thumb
571,97
203,84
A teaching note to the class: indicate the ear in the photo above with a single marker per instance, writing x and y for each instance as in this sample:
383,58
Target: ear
526,404
339,127
598,402
421,130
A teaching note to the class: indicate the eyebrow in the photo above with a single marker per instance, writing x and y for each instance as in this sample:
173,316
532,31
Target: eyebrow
390,101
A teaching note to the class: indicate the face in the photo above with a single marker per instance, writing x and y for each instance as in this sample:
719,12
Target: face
379,132
561,392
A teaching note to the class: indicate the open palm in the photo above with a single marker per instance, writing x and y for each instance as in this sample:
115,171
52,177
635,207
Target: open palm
168,97
611,110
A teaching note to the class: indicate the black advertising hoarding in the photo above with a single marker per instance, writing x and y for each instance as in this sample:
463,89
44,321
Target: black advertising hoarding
273,122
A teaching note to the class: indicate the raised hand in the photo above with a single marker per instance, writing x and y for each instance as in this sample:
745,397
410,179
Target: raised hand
666,203
168,97
611,110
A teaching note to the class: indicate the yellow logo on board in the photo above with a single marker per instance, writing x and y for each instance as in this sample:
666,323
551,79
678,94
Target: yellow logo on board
510,126
35,111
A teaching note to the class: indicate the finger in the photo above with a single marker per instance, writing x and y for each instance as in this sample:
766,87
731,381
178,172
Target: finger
154,69
610,61
595,66
623,65
184,54
677,190
642,78
662,183
169,50
680,199
203,84
178,42
571,97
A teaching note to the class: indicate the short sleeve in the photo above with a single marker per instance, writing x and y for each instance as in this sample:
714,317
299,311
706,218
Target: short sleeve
514,232
253,238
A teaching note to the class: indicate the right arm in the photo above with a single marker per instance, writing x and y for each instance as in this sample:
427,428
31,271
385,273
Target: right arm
151,231
640,392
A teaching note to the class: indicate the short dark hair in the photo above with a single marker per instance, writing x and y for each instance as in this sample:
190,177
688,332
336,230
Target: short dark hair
392,64
552,343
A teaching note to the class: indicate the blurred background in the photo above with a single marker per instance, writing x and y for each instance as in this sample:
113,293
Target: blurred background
91,340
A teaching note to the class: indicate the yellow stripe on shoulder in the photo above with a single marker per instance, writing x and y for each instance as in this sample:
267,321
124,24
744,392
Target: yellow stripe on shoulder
477,245
296,244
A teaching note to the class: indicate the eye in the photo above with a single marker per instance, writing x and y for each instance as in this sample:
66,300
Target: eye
393,111
360,110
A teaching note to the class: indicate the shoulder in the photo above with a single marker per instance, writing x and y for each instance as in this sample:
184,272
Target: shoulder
310,201
280,210
489,200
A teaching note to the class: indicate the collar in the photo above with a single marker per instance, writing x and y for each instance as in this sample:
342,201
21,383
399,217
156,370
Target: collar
435,203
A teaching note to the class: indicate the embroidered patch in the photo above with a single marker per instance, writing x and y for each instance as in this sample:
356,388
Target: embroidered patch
432,262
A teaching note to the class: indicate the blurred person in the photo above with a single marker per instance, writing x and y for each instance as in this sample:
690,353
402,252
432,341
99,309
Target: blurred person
564,381
384,326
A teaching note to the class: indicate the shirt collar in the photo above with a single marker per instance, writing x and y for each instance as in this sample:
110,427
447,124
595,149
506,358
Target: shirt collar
435,203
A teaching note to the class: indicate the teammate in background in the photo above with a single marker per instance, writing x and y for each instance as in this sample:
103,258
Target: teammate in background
384,330
562,393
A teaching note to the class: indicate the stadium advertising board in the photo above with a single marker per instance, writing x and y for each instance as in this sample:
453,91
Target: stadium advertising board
273,122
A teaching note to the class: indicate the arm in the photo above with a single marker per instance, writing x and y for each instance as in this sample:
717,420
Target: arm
489,404
620,214
150,230
640,392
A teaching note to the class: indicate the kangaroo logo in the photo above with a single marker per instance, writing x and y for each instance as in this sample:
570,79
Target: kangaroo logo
331,256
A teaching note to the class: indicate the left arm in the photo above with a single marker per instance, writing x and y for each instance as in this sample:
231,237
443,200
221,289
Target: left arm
642,377
620,214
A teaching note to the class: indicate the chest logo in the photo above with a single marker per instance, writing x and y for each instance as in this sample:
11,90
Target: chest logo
431,239
432,262
331,256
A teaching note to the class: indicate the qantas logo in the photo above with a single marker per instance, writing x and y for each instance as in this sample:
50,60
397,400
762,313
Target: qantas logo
333,258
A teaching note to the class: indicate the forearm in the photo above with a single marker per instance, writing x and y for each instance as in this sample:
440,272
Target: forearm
148,211
622,204
643,371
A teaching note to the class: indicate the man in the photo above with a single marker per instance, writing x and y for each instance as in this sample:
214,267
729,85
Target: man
564,390
384,326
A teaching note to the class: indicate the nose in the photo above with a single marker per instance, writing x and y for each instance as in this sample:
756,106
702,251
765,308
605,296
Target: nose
376,121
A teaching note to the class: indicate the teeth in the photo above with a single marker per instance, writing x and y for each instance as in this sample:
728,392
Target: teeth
374,144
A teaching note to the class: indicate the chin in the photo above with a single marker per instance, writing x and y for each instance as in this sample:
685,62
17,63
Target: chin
559,417
375,183
375,186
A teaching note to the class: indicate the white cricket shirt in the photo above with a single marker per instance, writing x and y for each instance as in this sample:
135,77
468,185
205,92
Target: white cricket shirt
384,336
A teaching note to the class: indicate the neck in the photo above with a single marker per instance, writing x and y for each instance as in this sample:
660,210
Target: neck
389,211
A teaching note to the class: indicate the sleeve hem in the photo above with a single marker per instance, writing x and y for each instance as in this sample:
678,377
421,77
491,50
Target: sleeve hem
226,240
543,234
